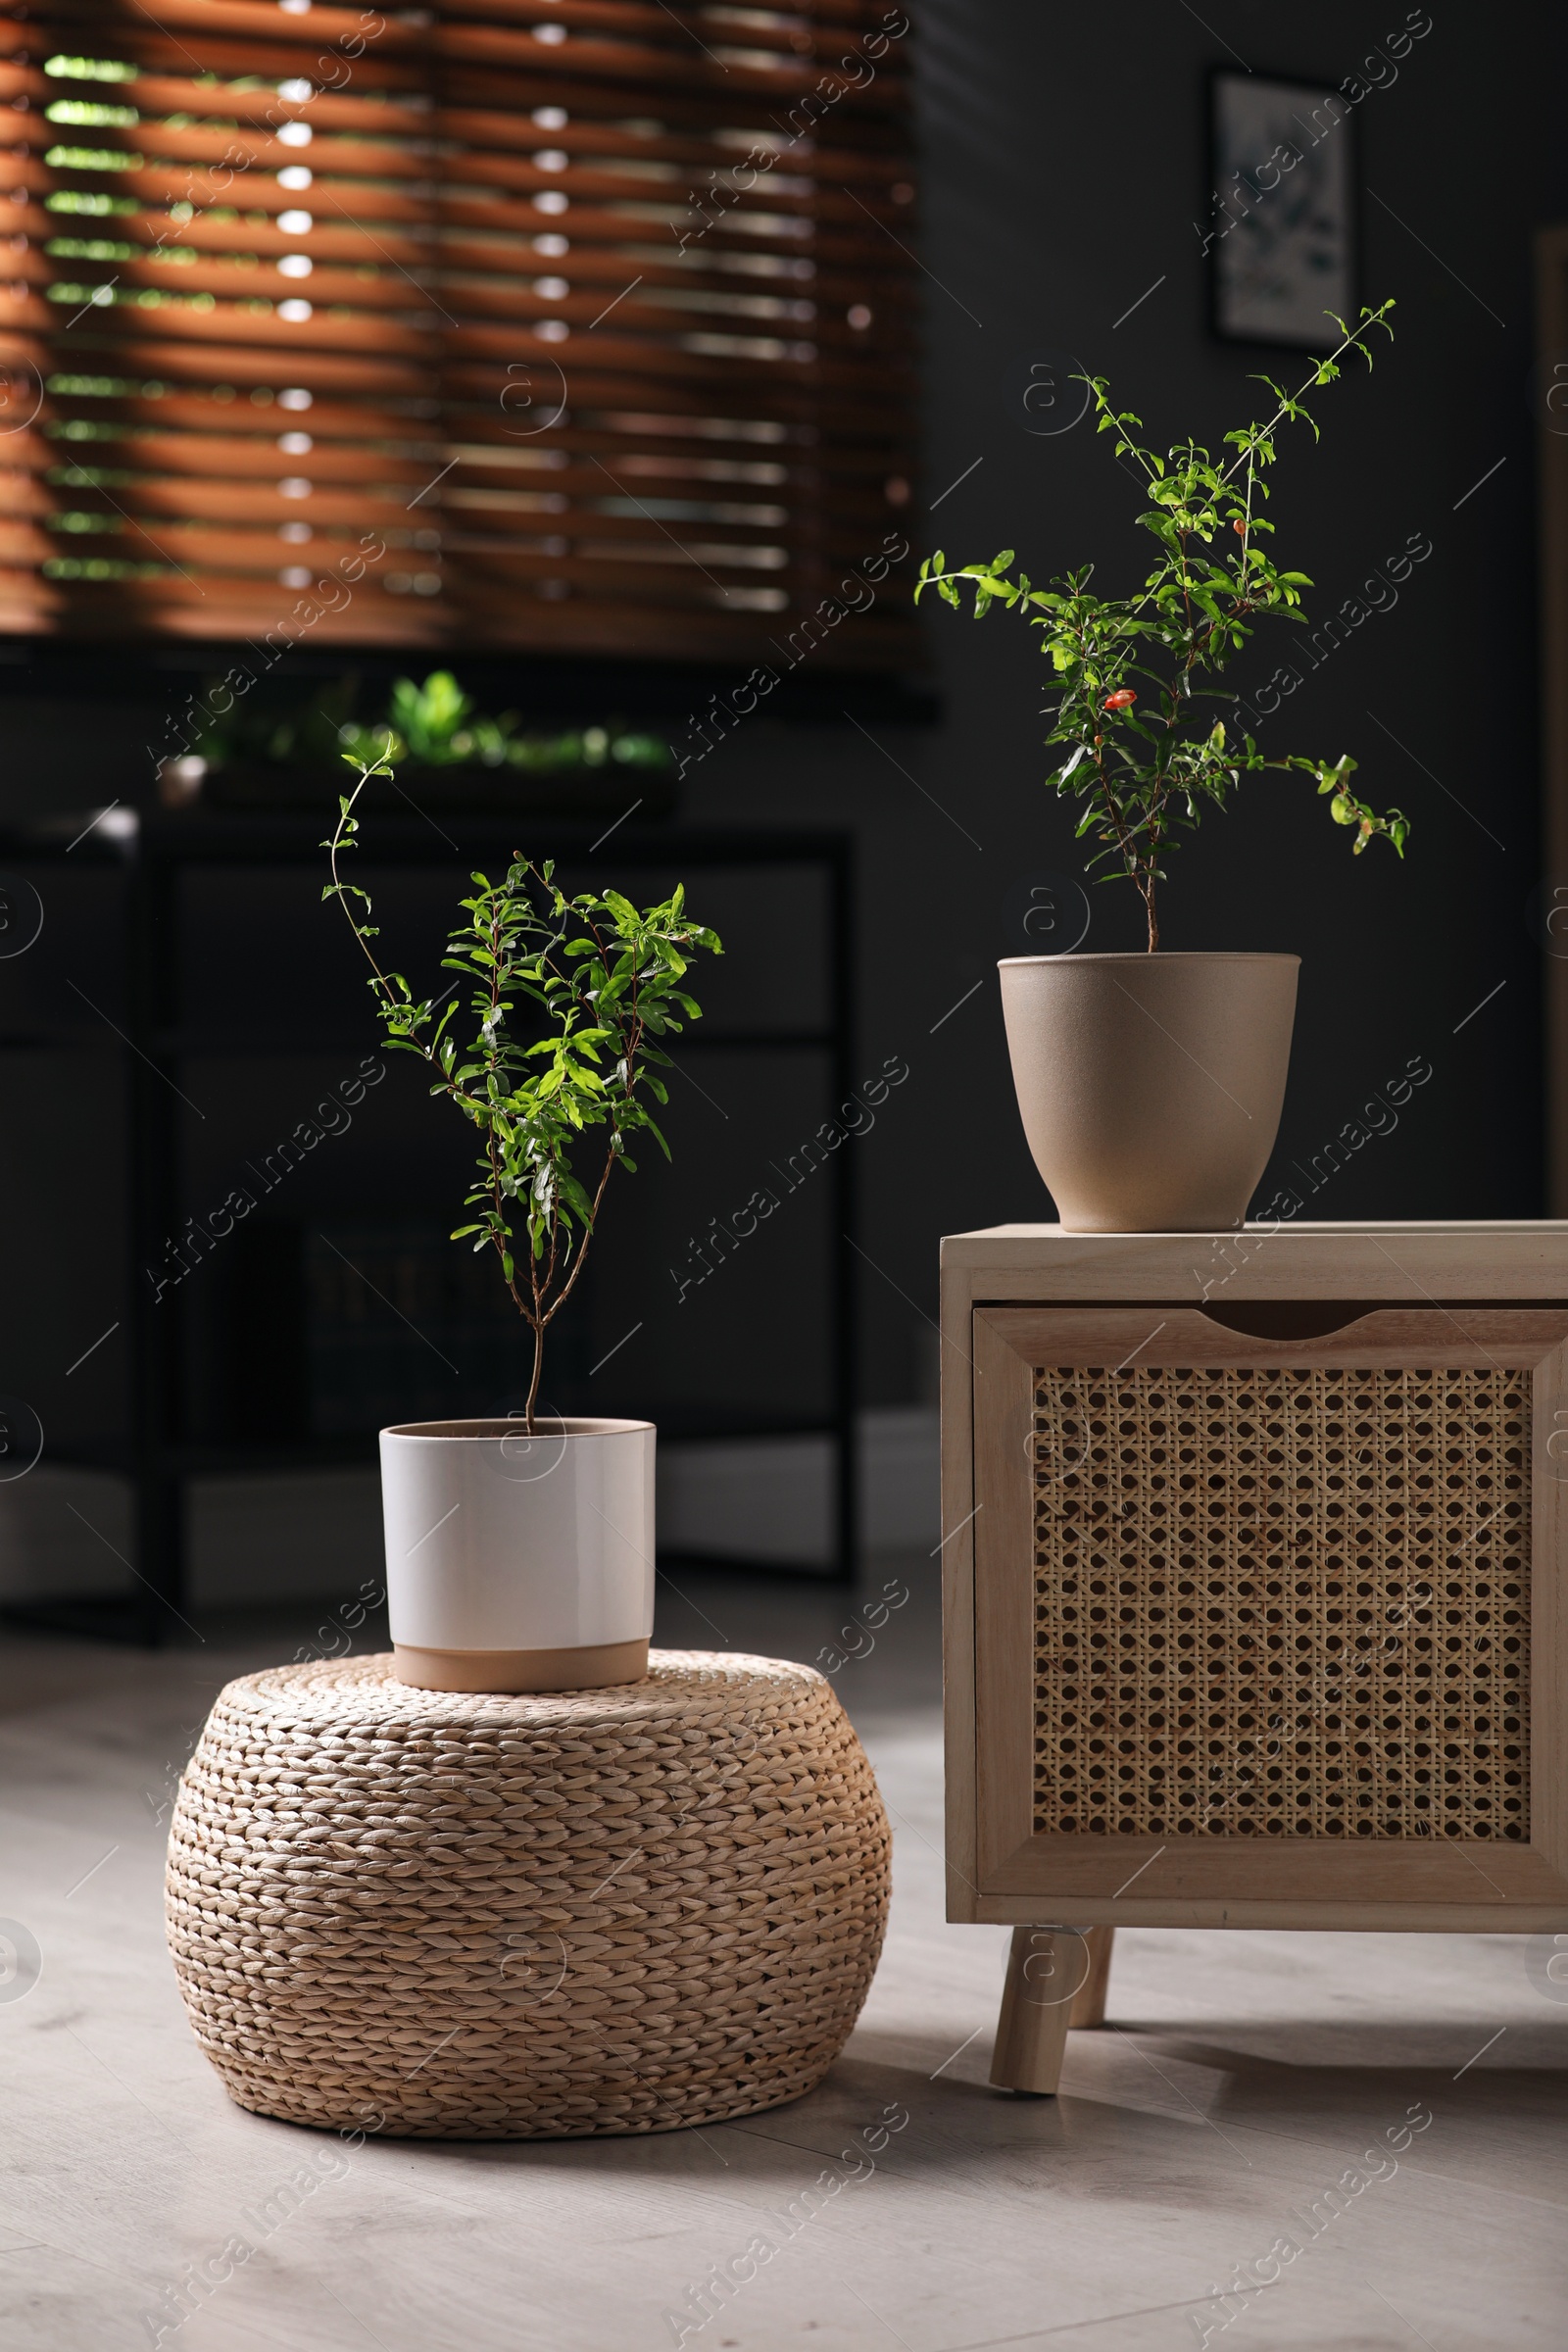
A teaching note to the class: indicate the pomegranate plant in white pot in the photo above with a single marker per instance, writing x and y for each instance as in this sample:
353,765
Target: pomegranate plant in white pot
521,1550
1150,1085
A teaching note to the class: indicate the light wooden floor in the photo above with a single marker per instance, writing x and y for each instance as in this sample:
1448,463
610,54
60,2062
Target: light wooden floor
1239,2078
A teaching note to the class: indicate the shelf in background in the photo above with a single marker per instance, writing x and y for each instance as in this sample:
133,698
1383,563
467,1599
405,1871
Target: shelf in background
177,1378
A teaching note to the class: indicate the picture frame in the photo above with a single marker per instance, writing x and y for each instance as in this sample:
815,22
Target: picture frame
1282,231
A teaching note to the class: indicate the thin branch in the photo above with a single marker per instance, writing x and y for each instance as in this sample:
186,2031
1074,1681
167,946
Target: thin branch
1289,401
611,1158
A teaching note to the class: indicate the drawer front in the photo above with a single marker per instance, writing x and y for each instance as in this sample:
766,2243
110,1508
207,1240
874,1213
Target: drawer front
1284,1611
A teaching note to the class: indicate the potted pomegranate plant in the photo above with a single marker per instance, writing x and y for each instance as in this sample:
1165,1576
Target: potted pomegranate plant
520,1551
1150,1085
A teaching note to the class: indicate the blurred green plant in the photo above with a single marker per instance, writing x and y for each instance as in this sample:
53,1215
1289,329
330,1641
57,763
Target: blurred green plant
433,725
608,980
1143,775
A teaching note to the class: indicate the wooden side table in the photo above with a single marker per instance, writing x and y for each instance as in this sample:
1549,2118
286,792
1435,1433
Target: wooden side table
1253,1590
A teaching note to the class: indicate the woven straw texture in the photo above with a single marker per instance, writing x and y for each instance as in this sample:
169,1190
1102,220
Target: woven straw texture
1290,1604
452,1916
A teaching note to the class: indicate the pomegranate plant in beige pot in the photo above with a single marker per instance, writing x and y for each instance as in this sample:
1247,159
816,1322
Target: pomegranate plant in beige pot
1150,1085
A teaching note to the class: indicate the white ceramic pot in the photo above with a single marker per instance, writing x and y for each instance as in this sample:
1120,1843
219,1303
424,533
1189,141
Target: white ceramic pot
518,1564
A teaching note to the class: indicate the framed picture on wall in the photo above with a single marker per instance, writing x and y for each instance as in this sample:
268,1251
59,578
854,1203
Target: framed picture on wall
1282,232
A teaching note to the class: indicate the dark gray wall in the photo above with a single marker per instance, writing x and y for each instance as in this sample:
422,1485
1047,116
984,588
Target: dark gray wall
1064,167
1065,153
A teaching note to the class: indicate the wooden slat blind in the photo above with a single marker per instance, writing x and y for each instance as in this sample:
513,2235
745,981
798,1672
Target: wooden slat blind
583,324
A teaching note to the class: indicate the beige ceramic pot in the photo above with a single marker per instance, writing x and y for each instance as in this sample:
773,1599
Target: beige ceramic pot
1150,1086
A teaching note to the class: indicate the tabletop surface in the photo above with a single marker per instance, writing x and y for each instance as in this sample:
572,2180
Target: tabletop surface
1045,1237
1519,1261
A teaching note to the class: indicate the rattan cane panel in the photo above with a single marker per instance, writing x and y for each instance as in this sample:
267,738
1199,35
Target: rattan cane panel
1287,1603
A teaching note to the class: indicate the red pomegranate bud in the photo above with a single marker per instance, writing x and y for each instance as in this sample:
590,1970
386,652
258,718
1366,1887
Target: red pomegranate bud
1120,700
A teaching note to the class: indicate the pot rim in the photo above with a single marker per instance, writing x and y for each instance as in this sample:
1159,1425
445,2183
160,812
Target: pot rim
1161,956
487,1429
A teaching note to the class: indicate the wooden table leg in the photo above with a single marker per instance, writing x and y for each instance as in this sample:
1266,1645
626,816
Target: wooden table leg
1043,1967
1089,2004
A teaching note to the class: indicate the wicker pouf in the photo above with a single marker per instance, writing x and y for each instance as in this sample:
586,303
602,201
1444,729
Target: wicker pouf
452,1916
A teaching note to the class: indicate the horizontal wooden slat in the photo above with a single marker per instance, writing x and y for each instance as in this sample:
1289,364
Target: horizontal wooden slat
199,500
719,351
792,32
151,96
229,526
229,459
155,611
207,548
192,416
198,457
389,246
282,348
147,359
483,127
477,126
325,288
259,19
25,541
578,484
861,247
648,453
796,278
262,22
762,120
239,151
167,185
487,293
646,67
